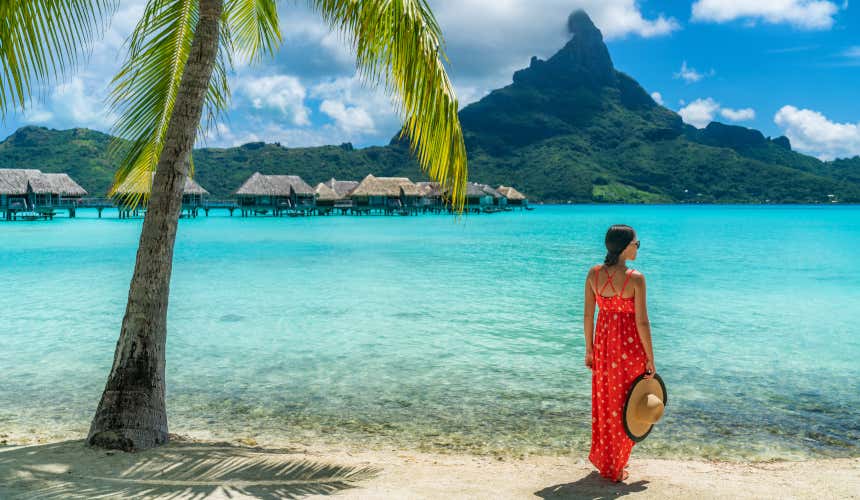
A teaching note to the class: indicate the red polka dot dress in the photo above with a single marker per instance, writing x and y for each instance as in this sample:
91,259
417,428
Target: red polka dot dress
618,359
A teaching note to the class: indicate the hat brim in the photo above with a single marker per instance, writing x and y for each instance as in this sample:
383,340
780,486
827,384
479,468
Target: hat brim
637,431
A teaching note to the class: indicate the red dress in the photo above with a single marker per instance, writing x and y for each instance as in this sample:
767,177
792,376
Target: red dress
618,359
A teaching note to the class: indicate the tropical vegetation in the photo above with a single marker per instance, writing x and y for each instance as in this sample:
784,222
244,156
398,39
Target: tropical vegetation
175,74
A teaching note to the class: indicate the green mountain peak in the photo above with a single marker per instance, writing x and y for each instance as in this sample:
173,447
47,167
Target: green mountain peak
570,128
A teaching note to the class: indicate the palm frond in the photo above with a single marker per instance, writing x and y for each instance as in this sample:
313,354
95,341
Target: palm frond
41,39
254,27
398,43
144,90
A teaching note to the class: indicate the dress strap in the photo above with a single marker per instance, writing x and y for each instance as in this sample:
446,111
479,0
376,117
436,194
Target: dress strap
608,281
628,273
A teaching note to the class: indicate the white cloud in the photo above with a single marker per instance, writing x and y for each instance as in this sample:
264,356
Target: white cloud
356,108
852,52
509,21
282,92
700,112
738,115
658,98
350,119
272,131
806,14
467,94
37,113
73,103
690,75
485,41
223,135
812,132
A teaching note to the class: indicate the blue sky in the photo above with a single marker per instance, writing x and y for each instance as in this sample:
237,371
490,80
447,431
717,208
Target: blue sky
785,67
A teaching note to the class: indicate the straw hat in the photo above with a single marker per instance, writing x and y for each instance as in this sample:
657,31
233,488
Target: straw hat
644,406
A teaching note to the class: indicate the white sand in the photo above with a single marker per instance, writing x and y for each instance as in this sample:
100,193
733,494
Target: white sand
201,469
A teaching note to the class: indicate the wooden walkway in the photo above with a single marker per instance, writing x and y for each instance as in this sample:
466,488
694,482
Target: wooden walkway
230,205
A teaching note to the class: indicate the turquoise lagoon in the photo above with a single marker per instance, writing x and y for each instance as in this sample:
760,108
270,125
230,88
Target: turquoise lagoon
463,335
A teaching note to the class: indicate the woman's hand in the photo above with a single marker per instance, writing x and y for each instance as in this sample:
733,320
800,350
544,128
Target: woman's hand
589,360
649,369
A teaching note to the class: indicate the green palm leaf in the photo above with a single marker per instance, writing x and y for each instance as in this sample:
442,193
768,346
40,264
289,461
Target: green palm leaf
398,43
254,27
41,39
144,90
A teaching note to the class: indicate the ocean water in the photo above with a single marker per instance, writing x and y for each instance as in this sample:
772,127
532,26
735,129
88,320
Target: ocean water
441,334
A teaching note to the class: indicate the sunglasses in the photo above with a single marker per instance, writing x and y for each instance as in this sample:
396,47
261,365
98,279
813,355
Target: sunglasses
637,243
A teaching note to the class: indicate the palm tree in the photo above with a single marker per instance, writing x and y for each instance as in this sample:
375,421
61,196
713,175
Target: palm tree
177,65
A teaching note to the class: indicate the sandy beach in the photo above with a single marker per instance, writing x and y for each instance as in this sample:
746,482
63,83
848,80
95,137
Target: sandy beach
190,468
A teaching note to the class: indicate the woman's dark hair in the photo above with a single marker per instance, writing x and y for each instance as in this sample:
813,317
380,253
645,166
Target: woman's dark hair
617,239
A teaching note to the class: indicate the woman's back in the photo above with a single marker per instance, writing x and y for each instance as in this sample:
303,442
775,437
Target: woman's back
611,295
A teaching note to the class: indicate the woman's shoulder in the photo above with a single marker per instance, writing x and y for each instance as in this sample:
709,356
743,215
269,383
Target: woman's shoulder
594,270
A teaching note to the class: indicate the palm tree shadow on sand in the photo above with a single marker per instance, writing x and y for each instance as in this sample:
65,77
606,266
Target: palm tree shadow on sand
592,487
178,470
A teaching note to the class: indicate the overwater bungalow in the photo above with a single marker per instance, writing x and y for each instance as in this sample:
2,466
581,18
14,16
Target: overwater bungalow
276,194
343,189
194,197
325,199
481,198
31,193
433,198
387,195
514,197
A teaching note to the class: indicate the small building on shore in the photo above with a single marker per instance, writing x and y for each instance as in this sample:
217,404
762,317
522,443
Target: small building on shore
32,191
132,196
514,197
276,194
386,195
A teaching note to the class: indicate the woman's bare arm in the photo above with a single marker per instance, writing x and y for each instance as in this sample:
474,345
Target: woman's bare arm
643,326
589,318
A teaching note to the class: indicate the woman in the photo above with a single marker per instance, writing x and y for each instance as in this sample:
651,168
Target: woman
621,350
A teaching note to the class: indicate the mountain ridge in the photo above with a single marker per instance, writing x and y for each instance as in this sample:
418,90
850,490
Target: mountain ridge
571,128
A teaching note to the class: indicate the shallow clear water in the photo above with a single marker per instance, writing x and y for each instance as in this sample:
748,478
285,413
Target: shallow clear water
466,335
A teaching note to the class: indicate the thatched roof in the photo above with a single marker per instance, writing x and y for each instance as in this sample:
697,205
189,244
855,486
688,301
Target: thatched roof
411,189
274,185
64,185
432,189
386,186
325,193
475,190
129,186
511,193
342,188
491,191
14,181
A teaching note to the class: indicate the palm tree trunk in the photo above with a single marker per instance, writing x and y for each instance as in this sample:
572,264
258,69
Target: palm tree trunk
131,414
